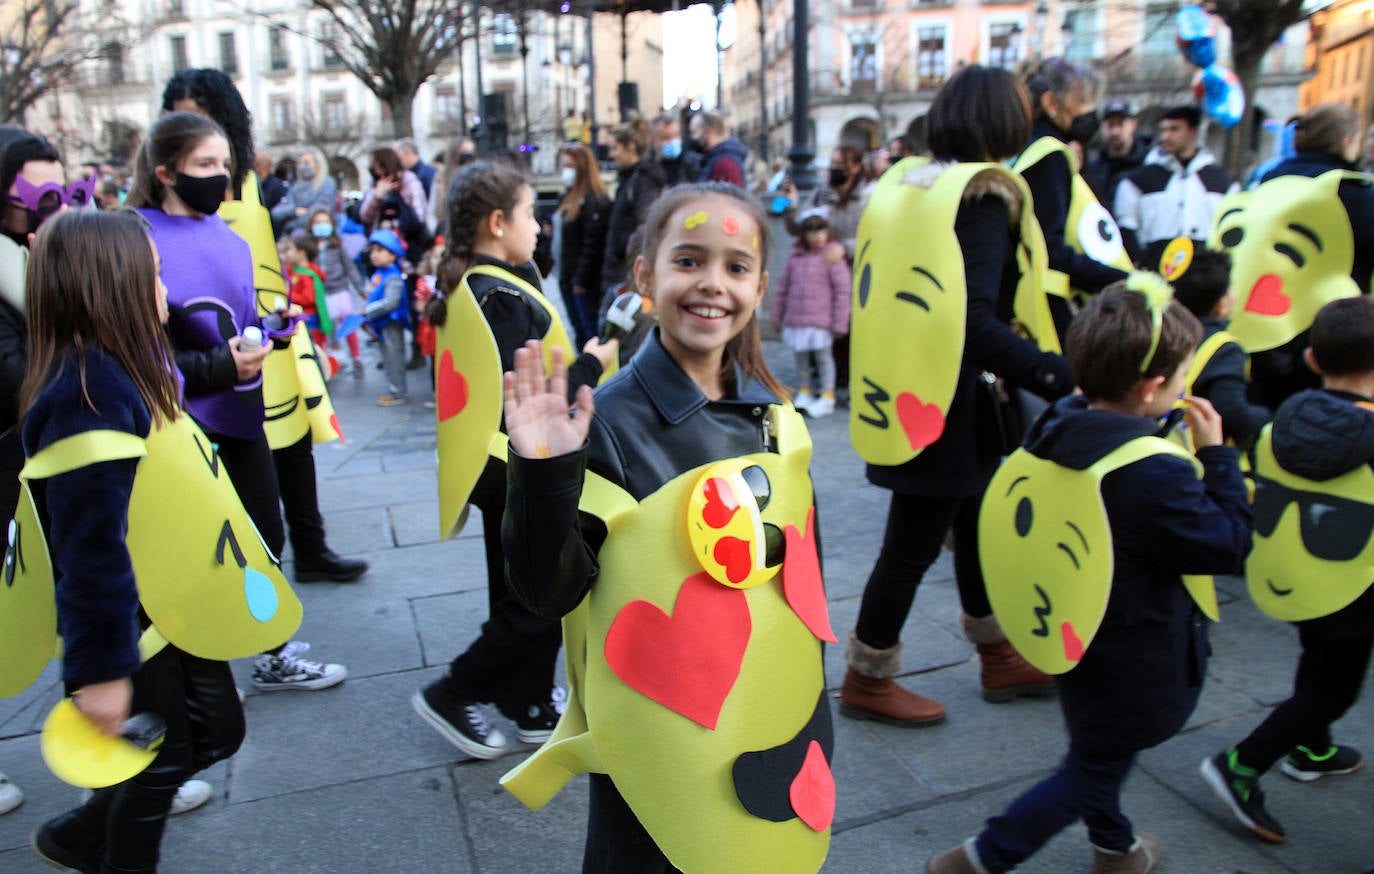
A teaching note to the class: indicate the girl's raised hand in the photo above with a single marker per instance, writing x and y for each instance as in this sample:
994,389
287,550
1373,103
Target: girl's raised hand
537,417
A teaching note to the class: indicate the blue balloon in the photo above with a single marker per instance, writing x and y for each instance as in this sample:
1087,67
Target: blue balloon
1196,36
1222,97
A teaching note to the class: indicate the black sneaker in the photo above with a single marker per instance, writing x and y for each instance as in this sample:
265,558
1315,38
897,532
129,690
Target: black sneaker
537,724
1302,764
45,845
329,567
1241,792
462,723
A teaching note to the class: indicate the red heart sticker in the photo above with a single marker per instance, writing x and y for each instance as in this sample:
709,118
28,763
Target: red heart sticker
802,585
812,792
721,503
451,388
334,423
1073,646
1267,297
735,556
923,423
688,662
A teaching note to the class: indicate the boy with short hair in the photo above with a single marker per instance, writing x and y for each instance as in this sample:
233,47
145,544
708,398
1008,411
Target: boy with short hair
1322,440
1140,676
1219,373
387,311
306,281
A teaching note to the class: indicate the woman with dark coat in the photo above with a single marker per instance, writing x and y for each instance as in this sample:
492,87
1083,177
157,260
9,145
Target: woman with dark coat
585,210
641,179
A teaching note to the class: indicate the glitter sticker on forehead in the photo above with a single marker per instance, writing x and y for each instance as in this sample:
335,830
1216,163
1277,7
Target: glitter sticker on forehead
695,220
730,225
757,246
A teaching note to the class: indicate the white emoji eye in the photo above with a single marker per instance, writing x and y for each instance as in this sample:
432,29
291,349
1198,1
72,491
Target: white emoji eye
1098,234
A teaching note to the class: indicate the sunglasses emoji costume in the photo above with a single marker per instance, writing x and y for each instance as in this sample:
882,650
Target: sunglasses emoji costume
1313,552
1089,228
295,400
467,380
1292,250
910,305
206,581
695,665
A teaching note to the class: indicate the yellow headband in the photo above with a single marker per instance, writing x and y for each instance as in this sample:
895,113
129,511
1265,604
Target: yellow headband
1158,294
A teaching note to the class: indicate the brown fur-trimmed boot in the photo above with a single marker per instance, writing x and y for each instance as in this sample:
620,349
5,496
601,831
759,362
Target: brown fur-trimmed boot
870,692
1006,676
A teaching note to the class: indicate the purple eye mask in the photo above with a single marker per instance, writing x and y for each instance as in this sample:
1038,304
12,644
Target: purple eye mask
79,193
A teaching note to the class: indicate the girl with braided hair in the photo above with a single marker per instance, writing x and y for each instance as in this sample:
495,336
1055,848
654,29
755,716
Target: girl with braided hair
487,254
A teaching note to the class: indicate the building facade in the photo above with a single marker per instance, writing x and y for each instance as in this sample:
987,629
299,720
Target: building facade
1341,54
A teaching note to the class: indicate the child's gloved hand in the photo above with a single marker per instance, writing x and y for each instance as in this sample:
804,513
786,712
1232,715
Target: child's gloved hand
538,420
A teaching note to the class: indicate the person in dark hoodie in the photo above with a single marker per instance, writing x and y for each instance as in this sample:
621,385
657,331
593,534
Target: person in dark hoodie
1141,675
1202,283
1326,138
640,180
726,157
1123,151
1319,437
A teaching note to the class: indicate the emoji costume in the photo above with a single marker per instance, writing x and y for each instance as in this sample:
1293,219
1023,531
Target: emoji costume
1136,683
1312,562
697,680
1082,242
494,310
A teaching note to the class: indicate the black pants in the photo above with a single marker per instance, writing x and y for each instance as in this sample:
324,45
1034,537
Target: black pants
1331,671
616,841
511,663
197,700
251,470
296,479
916,528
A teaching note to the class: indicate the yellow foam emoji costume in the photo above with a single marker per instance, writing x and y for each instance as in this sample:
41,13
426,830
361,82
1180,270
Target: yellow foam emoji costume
295,399
1089,228
467,390
704,699
1046,550
910,305
1291,249
28,605
1312,554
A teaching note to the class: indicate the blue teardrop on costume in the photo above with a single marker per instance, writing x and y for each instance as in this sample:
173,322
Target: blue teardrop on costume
260,594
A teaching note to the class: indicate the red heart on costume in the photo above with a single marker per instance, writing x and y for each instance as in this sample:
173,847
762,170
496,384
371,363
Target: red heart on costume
451,388
1073,646
688,662
735,556
802,585
721,503
334,423
923,423
1267,297
812,792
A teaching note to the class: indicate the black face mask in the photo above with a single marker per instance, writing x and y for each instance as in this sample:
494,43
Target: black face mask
466,158
1084,127
203,194
838,177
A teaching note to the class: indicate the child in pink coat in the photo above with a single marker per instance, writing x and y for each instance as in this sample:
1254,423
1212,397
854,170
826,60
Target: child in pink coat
811,306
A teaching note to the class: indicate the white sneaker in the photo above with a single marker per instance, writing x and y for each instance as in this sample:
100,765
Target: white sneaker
11,796
821,407
287,670
803,401
190,795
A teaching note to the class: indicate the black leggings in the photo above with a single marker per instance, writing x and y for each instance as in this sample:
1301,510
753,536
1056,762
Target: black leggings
254,475
916,528
196,698
295,466
1331,671
616,841
511,663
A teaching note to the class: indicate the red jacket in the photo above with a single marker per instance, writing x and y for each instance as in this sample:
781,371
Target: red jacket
811,293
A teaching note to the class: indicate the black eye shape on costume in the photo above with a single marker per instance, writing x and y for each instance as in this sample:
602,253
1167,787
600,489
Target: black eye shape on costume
1332,528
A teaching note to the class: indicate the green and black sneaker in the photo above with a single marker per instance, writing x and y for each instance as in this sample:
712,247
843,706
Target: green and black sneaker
1238,786
1305,765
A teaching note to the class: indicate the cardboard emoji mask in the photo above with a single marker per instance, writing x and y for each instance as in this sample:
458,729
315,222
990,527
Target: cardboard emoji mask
28,606
910,304
467,376
1313,552
1047,556
704,701
1089,228
1291,249
295,400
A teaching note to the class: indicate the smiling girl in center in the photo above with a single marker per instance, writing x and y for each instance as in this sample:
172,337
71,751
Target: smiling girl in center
730,770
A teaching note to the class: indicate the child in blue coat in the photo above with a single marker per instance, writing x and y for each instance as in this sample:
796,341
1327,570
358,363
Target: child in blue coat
386,310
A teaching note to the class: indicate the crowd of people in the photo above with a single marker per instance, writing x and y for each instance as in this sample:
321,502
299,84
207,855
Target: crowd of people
1010,308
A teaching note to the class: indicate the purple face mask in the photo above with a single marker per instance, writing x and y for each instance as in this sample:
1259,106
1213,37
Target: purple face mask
45,200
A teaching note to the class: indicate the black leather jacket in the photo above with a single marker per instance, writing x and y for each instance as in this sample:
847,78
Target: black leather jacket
652,424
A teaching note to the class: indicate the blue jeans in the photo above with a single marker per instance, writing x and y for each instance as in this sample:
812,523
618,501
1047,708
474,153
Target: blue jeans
1086,787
